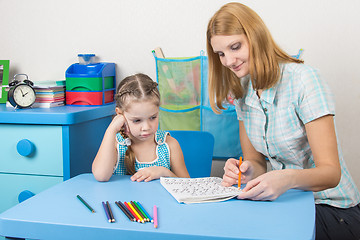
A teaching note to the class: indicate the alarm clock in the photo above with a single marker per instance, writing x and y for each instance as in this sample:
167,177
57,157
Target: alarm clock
21,93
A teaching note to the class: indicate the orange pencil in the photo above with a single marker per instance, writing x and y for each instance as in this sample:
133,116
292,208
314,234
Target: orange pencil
239,180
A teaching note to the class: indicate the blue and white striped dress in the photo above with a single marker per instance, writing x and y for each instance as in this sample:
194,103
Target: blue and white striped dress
275,124
162,152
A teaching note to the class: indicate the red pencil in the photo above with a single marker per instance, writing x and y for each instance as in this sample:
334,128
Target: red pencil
132,212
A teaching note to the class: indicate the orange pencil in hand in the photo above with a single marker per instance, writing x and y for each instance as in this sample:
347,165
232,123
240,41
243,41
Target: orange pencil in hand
239,180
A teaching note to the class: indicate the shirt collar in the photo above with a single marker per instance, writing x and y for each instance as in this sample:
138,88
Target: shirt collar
268,95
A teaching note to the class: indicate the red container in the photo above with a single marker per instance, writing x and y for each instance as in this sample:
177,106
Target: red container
88,98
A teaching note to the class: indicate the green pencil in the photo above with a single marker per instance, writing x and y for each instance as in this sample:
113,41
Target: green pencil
85,203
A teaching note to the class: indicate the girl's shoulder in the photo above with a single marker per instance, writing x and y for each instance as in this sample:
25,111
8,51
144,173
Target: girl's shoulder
122,141
160,136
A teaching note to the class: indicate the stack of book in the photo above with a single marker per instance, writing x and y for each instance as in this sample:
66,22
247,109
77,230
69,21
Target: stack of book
49,94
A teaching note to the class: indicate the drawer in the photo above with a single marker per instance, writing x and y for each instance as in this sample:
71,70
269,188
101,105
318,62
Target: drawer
17,183
46,157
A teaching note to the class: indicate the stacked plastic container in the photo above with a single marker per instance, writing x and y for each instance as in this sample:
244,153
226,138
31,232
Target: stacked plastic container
89,83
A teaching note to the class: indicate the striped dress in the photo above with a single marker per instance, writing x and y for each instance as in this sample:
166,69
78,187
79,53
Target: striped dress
162,152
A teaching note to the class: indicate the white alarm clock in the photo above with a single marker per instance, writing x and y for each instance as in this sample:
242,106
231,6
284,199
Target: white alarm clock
21,93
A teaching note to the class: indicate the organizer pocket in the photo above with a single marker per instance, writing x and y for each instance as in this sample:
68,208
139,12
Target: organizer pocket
175,117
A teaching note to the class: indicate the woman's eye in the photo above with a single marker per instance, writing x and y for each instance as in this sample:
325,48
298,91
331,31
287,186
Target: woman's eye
136,121
236,46
221,54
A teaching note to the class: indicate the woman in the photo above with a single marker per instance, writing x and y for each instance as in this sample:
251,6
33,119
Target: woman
286,116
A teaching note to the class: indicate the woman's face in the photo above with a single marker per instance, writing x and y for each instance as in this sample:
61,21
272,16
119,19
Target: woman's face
233,51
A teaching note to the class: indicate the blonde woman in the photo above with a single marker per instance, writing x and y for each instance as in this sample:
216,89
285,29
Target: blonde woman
286,116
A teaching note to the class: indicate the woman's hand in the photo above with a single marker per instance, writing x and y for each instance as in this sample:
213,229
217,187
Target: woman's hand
151,173
231,170
268,186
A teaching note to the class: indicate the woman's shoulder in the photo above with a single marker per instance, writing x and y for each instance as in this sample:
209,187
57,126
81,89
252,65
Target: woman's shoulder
298,68
299,74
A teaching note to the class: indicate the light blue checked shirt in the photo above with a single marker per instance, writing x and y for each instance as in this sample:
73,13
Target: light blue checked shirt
275,125
162,152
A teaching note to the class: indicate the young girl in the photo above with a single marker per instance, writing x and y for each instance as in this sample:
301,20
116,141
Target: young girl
286,116
132,143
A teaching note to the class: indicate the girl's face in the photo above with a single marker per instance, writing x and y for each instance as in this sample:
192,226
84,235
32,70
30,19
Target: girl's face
233,51
142,120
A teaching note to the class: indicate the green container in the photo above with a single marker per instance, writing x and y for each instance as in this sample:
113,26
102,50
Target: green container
88,84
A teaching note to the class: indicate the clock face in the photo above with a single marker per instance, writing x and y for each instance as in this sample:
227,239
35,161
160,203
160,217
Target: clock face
24,95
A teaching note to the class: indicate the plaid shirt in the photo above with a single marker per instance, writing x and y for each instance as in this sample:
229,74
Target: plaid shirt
275,125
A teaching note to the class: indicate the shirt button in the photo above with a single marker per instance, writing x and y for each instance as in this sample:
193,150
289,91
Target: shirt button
265,109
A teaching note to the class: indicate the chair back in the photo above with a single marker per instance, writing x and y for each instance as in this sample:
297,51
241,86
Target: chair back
197,147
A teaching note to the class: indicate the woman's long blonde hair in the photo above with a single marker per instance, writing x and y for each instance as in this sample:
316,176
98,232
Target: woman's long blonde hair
135,88
264,54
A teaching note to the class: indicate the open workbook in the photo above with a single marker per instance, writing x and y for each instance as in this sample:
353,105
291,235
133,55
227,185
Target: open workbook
198,190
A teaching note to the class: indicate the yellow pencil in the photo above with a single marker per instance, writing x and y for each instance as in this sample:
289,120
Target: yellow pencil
239,180
137,214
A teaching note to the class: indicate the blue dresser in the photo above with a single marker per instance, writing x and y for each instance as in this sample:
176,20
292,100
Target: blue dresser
41,147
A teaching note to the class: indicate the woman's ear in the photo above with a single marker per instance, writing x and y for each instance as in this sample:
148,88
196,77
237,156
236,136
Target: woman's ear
118,110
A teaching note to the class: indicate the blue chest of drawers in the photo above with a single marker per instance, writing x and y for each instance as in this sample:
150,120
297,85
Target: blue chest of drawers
43,146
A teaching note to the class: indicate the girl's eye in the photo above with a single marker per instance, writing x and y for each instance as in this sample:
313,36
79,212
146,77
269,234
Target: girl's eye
136,121
153,117
221,54
236,46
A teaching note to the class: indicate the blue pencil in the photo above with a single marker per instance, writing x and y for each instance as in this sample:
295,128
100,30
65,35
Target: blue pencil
148,215
106,212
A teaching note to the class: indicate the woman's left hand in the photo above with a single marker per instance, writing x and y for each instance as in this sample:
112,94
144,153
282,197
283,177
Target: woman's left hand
268,186
150,173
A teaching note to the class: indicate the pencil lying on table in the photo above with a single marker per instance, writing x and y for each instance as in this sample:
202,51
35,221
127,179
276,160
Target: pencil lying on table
145,212
155,214
106,212
125,212
141,213
85,203
110,212
132,212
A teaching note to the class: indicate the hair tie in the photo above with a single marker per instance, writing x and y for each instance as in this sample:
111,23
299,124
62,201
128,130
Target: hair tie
124,92
127,142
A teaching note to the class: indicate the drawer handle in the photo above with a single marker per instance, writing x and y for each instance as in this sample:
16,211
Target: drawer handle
25,147
25,195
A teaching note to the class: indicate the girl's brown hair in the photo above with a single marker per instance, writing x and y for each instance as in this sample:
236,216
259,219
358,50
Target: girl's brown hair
264,53
135,88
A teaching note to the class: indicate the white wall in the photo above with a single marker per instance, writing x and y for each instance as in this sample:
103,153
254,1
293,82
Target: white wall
42,38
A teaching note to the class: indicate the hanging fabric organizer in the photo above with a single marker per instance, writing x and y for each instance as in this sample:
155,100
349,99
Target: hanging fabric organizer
183,86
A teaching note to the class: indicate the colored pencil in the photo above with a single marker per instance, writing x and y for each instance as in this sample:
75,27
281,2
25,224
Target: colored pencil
127,210
239,180
85,203
155,214
137,214
146,213
126,213
106,212
137,208
110,211
132,211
